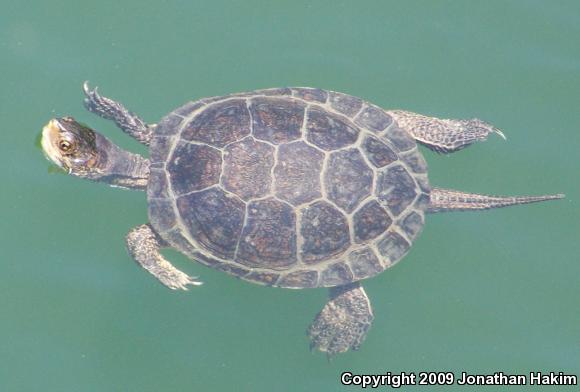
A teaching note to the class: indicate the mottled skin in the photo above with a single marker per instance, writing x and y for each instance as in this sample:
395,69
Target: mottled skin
292,187
443,135
144,244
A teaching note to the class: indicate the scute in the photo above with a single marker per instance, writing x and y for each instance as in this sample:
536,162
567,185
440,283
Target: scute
299,279
232,269
399,138
277,120
379,153
193,167
345,104
186,111
373,118
393,247
310,94
271,91
269,236
176,238
160,148
348,179
219,123
412,224
325,232
289,187
157,187
336,274
370,221
170,124
329,131
415,162
396,189
263,277
163,213
297,173
214,218
247,166
364,263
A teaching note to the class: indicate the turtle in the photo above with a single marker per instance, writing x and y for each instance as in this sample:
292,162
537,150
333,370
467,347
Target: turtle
285,187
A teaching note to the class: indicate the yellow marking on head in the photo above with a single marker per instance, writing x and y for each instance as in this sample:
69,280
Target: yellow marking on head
50,133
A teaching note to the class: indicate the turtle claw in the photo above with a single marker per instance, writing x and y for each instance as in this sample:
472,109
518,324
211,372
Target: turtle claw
90,95
500,133
194,282
177,280
109,109
96,103
143,245
86,87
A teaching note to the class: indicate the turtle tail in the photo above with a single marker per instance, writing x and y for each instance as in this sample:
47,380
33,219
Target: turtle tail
442,200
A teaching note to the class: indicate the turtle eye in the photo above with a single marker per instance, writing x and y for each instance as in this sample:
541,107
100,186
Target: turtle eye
65,145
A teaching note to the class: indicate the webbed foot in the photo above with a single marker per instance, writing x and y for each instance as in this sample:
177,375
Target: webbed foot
344,321
175,279
143,245
112,110
444,135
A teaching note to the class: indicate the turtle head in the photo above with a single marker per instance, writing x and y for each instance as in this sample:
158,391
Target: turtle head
86,153
74,147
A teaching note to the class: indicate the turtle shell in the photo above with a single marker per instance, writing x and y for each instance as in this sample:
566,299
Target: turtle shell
292,187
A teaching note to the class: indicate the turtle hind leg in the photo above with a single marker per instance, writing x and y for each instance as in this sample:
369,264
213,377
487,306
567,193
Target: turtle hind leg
109,109
443,135
144,245
344,321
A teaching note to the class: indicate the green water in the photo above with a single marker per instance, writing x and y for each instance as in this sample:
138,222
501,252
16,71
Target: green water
479,292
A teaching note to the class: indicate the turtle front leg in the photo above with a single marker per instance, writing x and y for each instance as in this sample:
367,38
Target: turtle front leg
144,245
443,135
109,109
344,321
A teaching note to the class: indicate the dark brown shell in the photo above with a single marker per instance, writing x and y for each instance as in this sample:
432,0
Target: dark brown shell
287,187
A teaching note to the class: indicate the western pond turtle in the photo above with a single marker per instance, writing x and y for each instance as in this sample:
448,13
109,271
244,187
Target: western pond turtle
286,187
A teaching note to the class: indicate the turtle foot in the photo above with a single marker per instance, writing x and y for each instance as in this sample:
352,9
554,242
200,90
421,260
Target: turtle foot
344,321
112,110
144,245
177,280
